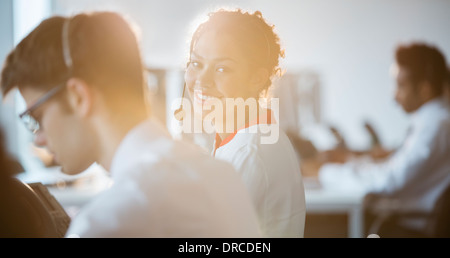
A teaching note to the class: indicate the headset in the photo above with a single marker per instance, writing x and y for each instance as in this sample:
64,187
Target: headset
180,113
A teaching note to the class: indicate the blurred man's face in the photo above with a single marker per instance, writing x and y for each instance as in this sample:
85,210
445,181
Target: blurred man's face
61,133
407,93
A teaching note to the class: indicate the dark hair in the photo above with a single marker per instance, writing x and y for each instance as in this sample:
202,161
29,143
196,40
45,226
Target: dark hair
102,46
448,78
424,63
257,38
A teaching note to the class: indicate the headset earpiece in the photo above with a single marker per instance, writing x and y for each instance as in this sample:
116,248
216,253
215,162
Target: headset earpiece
180,113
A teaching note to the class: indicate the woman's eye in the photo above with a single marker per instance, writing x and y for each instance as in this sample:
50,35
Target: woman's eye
222,69
195,64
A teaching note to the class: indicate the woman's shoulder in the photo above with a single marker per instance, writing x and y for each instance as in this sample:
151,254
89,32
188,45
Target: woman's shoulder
263,137
251,143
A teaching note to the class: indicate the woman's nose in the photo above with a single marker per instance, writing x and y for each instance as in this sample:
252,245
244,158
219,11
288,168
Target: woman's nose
205,79
40,139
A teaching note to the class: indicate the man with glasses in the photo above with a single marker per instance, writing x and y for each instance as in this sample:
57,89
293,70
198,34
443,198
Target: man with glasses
83,81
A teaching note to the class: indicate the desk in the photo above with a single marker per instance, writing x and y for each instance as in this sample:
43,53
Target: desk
72,192
72,198
318,199
327,201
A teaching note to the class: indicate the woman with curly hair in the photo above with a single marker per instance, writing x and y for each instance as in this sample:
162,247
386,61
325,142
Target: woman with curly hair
233,58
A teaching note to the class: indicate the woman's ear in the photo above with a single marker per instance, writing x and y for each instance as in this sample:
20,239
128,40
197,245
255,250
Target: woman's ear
80,96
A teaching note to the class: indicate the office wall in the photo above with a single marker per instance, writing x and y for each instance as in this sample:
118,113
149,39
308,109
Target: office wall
6,28
350,43
6,44
17,19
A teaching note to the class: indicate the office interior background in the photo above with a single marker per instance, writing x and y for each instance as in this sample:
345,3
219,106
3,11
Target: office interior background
337,65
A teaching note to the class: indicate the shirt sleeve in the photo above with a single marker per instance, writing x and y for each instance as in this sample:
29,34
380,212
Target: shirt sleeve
114,213
131,206
409,164
250,167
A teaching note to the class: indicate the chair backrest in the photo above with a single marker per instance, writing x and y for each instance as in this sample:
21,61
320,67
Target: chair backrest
380,213
24,215
439,223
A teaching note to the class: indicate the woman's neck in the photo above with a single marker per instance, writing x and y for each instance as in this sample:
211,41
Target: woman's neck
238,120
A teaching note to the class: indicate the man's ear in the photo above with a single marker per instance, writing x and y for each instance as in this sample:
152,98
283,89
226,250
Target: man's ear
426,90
259,79
80,96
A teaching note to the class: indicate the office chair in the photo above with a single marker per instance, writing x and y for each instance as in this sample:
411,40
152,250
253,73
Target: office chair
382,216
24,215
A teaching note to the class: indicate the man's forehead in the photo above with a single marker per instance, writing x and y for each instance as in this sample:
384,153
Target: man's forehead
29,94
399,72
394,70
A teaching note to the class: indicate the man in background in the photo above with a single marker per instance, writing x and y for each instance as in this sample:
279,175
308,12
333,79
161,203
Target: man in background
419,171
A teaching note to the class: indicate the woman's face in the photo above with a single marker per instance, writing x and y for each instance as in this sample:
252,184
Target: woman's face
218,69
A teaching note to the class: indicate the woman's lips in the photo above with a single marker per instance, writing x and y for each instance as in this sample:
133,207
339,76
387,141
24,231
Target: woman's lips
202,98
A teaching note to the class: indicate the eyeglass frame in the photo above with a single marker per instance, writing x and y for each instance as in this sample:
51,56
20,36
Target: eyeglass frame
31,123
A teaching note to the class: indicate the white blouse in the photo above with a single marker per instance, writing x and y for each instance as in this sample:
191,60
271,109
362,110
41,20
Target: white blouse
272,174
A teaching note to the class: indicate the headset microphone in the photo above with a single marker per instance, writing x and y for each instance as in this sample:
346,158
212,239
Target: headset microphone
179,113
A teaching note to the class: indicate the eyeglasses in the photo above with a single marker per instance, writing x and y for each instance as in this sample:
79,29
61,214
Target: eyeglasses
30,122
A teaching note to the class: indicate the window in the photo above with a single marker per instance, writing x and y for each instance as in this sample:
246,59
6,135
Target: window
26,16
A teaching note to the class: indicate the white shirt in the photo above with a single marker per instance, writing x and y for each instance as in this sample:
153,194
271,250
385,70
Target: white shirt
272,174
167,188
416,174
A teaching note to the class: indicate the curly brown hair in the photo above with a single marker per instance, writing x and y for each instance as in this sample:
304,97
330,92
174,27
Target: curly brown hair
256,37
